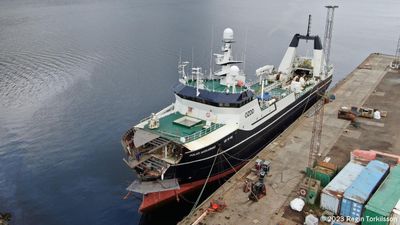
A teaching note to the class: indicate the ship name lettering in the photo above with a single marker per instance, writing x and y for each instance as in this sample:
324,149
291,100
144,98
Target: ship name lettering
201,152
228,139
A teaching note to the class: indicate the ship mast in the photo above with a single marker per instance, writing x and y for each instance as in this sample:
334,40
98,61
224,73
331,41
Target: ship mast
224,60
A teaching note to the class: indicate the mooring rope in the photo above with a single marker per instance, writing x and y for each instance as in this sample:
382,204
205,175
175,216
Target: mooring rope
229,162
243,160
205,184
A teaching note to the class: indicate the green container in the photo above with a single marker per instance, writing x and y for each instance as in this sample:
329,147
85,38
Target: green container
312,196
311,187
381,204
324,175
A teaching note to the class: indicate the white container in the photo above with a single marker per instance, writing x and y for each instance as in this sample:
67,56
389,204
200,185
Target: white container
395,217
331,195
297,204
311,220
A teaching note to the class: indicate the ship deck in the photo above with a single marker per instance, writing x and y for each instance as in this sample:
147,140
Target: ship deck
176,126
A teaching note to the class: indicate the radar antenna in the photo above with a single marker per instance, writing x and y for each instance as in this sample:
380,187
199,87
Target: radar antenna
181,70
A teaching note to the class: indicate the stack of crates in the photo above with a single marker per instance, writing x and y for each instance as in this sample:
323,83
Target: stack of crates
357,195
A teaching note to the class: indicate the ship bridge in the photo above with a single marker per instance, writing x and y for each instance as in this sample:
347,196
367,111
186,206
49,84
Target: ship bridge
215,94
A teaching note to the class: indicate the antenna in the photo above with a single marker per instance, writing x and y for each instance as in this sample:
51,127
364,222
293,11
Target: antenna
328,34
180,60
192,63
211,53
197,82
245,49
197,71
180,56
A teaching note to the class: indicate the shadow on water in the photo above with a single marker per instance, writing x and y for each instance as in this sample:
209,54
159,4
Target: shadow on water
173,212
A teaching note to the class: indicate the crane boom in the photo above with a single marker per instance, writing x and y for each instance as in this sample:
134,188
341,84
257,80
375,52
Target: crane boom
315,144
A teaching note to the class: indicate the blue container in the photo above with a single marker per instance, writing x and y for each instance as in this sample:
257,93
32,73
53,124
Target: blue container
357,195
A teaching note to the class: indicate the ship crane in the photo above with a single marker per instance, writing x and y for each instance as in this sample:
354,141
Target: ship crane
315,144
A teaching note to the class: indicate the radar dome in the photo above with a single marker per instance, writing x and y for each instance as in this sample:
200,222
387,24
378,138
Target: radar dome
228,35
234,70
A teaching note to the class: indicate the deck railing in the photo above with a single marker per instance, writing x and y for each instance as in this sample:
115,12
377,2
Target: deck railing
200,133
217,87
191,137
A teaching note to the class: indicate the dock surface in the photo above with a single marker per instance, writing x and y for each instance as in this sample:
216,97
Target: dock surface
371,84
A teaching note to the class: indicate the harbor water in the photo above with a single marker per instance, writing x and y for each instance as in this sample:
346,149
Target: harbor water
76,74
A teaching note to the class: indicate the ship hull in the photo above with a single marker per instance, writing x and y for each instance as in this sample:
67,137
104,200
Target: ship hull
231,152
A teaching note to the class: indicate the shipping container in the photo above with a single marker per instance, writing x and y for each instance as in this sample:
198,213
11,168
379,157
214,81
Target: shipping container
323,171
381,205
328,165
331,195
362,188
309,189
324,175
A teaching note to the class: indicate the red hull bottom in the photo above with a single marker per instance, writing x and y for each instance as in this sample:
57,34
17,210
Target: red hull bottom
152,200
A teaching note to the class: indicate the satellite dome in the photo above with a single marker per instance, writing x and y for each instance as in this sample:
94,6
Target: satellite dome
234,70
228,35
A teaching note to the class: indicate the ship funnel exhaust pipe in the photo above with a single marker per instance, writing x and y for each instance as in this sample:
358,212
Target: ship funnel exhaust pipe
309,25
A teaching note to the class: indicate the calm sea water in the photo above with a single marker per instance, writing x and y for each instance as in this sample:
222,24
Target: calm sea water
74,75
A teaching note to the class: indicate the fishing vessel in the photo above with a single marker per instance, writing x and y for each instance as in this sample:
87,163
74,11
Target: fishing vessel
221,120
